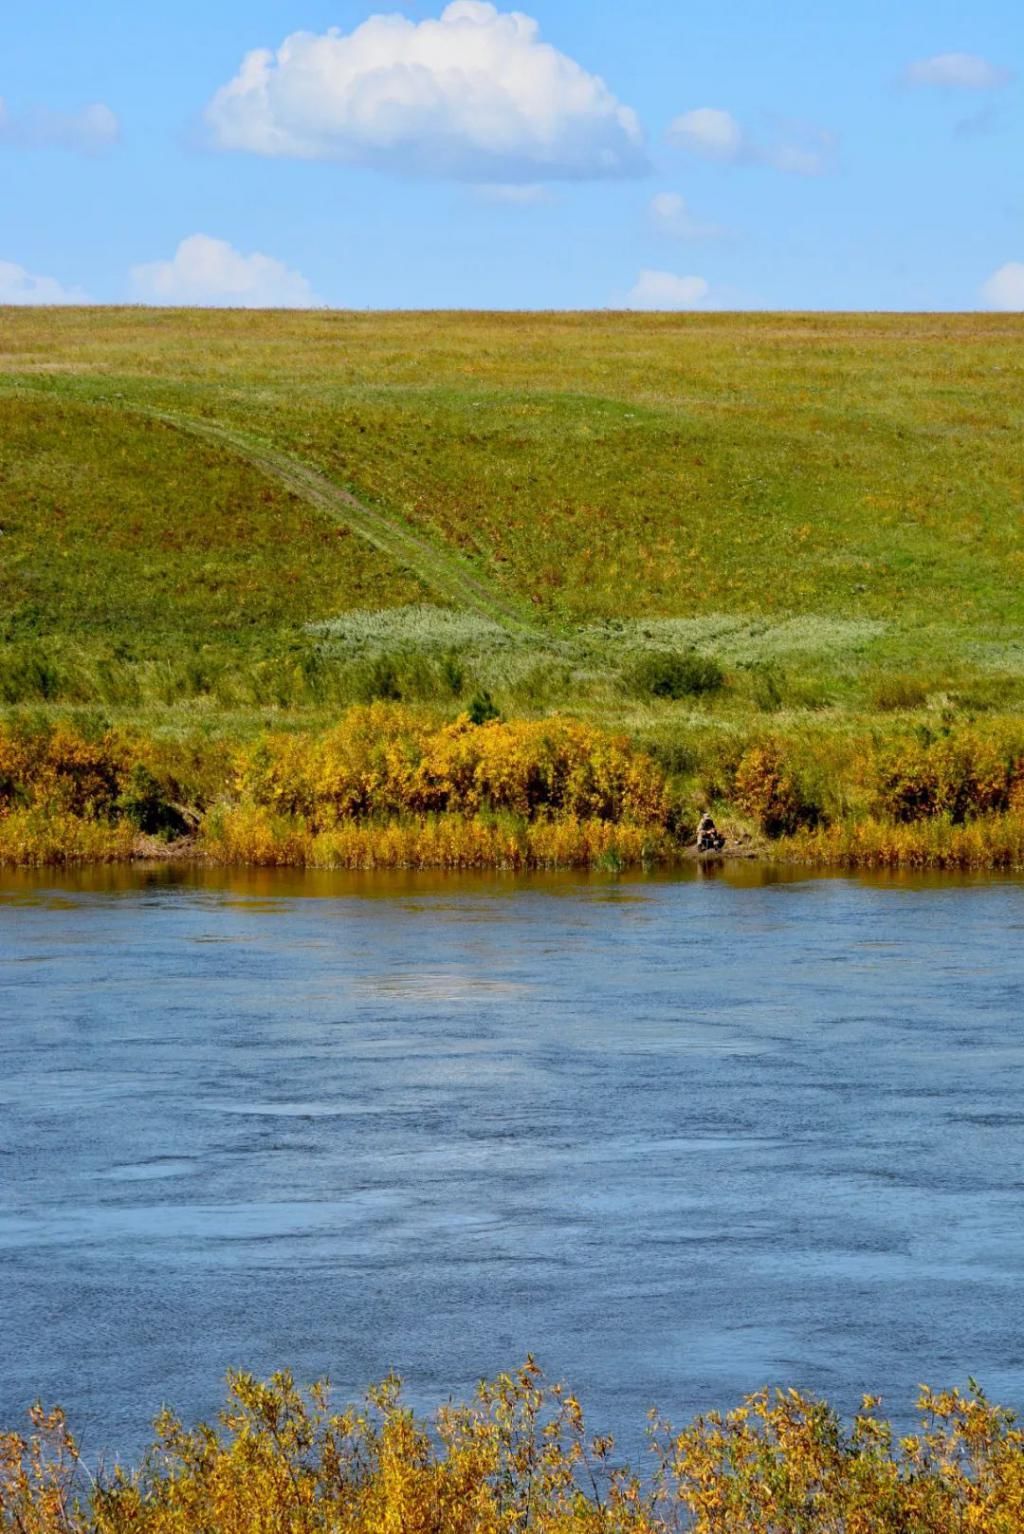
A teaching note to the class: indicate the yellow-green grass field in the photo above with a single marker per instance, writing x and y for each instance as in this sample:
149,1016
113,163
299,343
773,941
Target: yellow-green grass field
705,532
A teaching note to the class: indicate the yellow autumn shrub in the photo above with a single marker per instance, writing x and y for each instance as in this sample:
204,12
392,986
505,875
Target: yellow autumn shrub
384,787
389,786
381,761
960,774
769,789
519,1457
45,837
61,769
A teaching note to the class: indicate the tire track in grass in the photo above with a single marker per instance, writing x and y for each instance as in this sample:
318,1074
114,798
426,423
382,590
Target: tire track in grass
445,572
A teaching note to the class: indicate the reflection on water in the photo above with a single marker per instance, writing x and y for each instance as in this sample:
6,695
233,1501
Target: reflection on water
679,1135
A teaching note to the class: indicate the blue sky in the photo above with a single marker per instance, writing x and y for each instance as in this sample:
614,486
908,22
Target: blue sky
584,155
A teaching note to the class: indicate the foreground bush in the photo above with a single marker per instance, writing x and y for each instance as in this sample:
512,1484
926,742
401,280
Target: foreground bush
382,761
519,1457
768,789
957,775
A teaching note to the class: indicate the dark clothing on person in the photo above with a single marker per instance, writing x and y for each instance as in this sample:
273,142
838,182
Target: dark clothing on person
709,838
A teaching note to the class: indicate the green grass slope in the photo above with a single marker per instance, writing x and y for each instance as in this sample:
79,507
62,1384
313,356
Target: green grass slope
831,506
118,525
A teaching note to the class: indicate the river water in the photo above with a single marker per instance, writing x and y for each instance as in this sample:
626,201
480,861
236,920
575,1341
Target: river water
678,1136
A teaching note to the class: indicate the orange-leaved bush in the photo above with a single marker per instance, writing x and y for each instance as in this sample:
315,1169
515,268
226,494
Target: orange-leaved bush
768,788
960,775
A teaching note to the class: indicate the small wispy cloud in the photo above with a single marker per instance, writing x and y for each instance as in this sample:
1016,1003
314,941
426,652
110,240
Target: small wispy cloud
978,124
711,133
511,194
19,286
957,71
800,149
1005,288
666,290
671,215
88,131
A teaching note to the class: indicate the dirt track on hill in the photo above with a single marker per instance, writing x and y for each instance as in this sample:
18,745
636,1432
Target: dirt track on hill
445,572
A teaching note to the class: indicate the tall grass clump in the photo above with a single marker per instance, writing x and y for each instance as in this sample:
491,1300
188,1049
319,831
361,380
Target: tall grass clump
520,1457
669,674
989,842
248,835
29,675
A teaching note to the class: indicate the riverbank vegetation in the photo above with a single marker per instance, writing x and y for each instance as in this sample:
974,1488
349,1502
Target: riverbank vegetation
519,1457
383,788
389,785
778,555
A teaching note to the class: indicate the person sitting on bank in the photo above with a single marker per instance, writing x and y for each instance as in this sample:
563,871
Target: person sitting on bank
709,838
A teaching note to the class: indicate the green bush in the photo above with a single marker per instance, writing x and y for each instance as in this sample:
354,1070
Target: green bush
482,708
674,674
677,758
378,680
27,675
452,673
899,694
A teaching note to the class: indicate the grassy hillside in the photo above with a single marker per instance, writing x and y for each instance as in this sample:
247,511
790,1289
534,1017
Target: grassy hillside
590,467
693,527
118,525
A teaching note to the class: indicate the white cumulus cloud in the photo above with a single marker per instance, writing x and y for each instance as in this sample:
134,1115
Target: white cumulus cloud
18,286
211,272
1005,288
474,95
671,214
665,290
799,149
959,71
90,130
